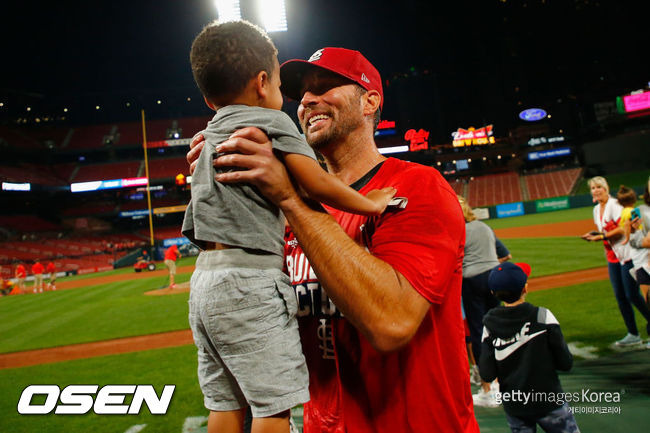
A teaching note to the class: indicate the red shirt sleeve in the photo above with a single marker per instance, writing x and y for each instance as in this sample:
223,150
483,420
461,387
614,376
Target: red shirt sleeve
424,241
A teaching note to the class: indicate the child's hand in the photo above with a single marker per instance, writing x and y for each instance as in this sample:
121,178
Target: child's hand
381,198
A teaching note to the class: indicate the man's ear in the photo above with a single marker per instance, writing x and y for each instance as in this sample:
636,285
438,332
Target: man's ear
209,103
372,102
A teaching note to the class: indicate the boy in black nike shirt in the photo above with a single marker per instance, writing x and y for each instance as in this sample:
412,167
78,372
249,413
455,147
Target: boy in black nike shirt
523,346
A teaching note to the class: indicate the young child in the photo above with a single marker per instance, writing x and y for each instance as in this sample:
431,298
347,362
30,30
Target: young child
523,346
637,264
242,307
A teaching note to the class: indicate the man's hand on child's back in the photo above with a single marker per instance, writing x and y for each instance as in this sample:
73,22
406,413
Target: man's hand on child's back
196,145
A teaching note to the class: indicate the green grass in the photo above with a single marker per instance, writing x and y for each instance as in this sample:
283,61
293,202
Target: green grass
576,214
87,314
632,179
159,367
556,255
588,313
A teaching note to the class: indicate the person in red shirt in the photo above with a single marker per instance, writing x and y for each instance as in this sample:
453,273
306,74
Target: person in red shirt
51,270
21,274
37,270
379,297
171,255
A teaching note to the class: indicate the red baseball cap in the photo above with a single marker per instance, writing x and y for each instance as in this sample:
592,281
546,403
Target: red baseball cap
348,63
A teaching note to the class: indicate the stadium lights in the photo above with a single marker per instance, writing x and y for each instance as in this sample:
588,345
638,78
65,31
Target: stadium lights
273,14
228,10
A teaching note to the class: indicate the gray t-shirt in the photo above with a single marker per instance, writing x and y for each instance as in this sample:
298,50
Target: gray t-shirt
238,214
480,250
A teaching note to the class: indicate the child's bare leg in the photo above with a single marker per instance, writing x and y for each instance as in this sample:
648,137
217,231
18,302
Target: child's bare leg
231,421
278,423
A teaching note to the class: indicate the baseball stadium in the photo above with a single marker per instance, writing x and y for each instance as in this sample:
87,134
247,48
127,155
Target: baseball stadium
96,182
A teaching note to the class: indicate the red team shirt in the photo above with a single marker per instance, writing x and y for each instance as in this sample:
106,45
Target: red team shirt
423,387
20,271
37,268
171,253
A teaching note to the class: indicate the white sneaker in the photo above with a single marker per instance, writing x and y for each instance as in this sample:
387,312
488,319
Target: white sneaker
484,399
629,340
474,375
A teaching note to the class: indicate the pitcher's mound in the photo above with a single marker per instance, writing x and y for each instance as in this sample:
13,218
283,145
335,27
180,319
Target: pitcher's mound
180,288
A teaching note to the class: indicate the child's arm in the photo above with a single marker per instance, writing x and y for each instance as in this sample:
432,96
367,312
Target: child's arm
561,355
487,363
326,188
562,358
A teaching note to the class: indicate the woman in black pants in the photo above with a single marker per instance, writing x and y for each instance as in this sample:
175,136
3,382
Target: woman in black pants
480,258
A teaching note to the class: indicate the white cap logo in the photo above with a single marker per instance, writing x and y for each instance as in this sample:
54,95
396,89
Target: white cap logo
316,56
364,78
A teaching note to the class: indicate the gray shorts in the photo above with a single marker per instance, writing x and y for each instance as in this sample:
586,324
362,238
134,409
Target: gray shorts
244,326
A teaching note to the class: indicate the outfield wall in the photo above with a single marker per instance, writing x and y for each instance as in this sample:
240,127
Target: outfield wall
543,205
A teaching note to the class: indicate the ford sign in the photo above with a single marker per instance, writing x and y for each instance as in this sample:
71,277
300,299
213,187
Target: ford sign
532,114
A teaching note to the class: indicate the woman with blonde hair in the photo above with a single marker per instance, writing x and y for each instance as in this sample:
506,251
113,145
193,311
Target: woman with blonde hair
607,215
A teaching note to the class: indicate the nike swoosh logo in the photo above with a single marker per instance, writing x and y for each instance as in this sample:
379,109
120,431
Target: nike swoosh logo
501,354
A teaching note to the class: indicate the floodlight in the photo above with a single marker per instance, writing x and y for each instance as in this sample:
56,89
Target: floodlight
273,14
228,10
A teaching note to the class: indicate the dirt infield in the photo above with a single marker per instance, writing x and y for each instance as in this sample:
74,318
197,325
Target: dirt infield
184,337
571,228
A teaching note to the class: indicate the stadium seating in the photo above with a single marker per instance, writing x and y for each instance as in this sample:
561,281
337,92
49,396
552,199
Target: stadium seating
458,186
168,167
89,137
130,134
553,184
161,233
82,254
18,138
50,175
192,125
97,208
494,189
27,223
118,170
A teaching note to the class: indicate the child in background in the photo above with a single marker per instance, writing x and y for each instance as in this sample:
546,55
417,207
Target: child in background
522,347
51,270
640,239
242,307
637,264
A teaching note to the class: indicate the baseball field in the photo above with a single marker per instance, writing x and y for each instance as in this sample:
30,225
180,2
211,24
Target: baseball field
121,328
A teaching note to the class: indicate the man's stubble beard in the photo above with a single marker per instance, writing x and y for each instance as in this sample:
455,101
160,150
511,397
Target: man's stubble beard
341,127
